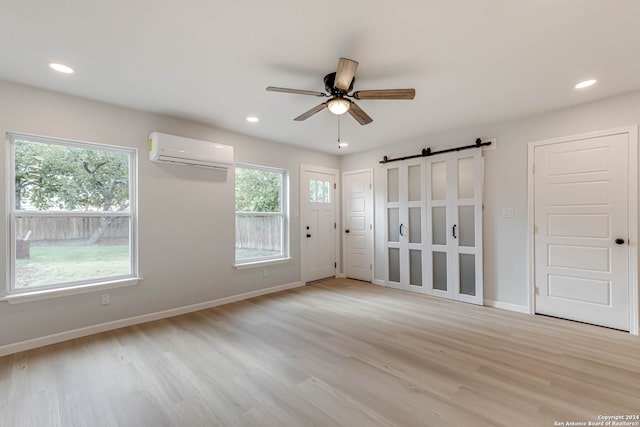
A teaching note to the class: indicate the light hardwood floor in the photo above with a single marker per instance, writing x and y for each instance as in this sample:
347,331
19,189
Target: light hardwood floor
334,353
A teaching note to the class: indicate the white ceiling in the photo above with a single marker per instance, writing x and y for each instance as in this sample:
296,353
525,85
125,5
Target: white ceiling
470,61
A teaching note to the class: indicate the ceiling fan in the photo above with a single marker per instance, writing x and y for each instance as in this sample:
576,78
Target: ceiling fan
338,86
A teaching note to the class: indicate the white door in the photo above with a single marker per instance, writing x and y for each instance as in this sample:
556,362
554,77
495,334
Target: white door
454,219
581,230
358,224
405,229
318,220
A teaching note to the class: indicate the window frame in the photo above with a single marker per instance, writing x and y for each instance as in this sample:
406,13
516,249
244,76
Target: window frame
12,214
285,221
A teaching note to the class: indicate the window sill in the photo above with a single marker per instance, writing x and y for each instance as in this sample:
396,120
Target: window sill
38,295
259,264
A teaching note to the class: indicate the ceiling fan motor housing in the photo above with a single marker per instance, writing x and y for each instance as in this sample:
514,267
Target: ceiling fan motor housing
329,81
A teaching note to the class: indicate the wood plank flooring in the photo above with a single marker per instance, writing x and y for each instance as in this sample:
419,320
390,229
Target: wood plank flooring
335,353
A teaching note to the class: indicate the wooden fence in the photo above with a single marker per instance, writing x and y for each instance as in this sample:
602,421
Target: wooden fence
69,228
259,232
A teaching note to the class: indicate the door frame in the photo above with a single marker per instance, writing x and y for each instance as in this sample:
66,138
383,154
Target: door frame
342,271
336,207
632,132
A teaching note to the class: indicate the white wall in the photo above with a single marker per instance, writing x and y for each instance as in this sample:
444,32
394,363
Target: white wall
505,239
186,215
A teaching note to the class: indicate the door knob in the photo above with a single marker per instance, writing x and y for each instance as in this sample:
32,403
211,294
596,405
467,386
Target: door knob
308,235
619,241
346,231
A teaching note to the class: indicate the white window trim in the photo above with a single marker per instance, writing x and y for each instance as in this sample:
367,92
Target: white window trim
43,294
14,296
285,237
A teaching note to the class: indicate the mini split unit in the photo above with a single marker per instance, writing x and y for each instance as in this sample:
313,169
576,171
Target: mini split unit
165,148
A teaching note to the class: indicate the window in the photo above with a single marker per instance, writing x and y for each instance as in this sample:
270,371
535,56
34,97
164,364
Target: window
261,218
72,220
319,191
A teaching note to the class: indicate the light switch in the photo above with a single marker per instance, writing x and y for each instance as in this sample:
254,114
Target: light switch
507,212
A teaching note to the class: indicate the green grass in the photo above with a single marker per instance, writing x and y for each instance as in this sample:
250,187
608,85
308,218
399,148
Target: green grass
59,264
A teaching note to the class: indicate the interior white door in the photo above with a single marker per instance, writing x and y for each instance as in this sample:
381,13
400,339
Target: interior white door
318,225
358,224
581,230
405,231
454,212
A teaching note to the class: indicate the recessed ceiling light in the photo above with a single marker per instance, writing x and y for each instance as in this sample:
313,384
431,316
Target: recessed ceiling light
343,144
252,119
586,83
61,68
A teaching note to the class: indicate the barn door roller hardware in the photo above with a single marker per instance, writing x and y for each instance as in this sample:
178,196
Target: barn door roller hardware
426,152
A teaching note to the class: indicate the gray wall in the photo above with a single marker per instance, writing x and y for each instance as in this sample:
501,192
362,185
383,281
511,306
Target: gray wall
192,263
505,239
186,215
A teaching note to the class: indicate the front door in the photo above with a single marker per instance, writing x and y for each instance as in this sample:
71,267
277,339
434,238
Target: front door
581,230
318,217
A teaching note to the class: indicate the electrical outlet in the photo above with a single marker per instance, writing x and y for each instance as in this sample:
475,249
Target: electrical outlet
265,272
105,299
507,212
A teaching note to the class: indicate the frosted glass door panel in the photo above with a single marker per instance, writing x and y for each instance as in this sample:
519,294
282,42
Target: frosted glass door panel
439,181
393,185
468,274
415,267
394,224
439,225
440,271
466,218
414,183
466,178
394,264
415,226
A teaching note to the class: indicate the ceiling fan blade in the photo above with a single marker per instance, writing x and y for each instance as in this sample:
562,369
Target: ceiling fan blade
344,75
296,91
385,94
311,112
359,114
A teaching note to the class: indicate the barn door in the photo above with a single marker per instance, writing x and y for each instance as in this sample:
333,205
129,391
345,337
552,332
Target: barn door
454,210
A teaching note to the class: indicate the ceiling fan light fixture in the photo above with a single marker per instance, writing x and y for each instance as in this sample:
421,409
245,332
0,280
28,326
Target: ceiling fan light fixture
338,105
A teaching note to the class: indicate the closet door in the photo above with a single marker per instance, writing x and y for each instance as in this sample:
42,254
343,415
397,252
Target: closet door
454,217
406,232
440,220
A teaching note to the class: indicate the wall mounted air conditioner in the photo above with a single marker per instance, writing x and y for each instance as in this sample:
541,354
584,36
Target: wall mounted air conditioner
165,148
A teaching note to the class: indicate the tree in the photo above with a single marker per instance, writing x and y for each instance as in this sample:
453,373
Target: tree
257,190
60,177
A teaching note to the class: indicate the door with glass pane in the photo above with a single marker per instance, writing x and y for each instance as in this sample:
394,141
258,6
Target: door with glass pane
454,218
405,229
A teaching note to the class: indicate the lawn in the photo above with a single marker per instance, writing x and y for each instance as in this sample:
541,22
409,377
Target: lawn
60,264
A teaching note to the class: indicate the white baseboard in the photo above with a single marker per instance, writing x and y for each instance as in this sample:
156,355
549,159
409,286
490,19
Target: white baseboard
130,321
507,306
488,303
341,276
